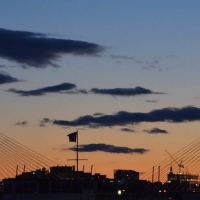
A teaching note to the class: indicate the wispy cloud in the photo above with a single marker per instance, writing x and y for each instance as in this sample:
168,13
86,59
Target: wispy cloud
6,78
23,123
61,88
172,56
151,101
77,91
98,114
44,121
39,51
127,130
120,57
123,57
69,88
122,118
151,64
107,148
124,91
156,131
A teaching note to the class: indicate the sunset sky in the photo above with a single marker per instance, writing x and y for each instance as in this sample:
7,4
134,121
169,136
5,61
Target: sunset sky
125,74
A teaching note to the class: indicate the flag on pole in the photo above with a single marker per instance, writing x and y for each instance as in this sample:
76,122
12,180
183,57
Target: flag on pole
72,136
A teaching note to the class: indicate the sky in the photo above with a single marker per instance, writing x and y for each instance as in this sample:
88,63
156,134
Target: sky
124,74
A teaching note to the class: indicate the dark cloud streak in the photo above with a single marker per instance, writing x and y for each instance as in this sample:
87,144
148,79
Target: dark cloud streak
123,91
156,131
24,123
61,88
6,78
39,51
70,88
122,118
108,149
127,130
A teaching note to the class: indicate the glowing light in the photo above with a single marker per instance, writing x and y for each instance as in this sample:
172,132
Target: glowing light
119,192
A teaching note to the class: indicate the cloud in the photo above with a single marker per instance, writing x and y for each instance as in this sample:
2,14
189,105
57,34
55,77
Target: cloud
127,130
2,66
156,131
151,101
122,118
172,56
98,114
44,121
123,91
6,78
24,123
39,51
151,64
77,91
61,88
107,148
125,58
69,88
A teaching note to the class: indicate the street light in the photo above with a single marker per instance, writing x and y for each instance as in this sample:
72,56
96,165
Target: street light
119,192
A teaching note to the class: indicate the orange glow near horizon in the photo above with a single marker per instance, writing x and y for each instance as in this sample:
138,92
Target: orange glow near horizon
48,140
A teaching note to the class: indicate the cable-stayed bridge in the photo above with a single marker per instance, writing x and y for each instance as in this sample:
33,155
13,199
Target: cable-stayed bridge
186,161
15,158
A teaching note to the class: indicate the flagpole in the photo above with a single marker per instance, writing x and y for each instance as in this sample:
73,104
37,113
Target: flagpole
73,137
77,152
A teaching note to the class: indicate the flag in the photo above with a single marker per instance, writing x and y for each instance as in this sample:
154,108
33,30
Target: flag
72,136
